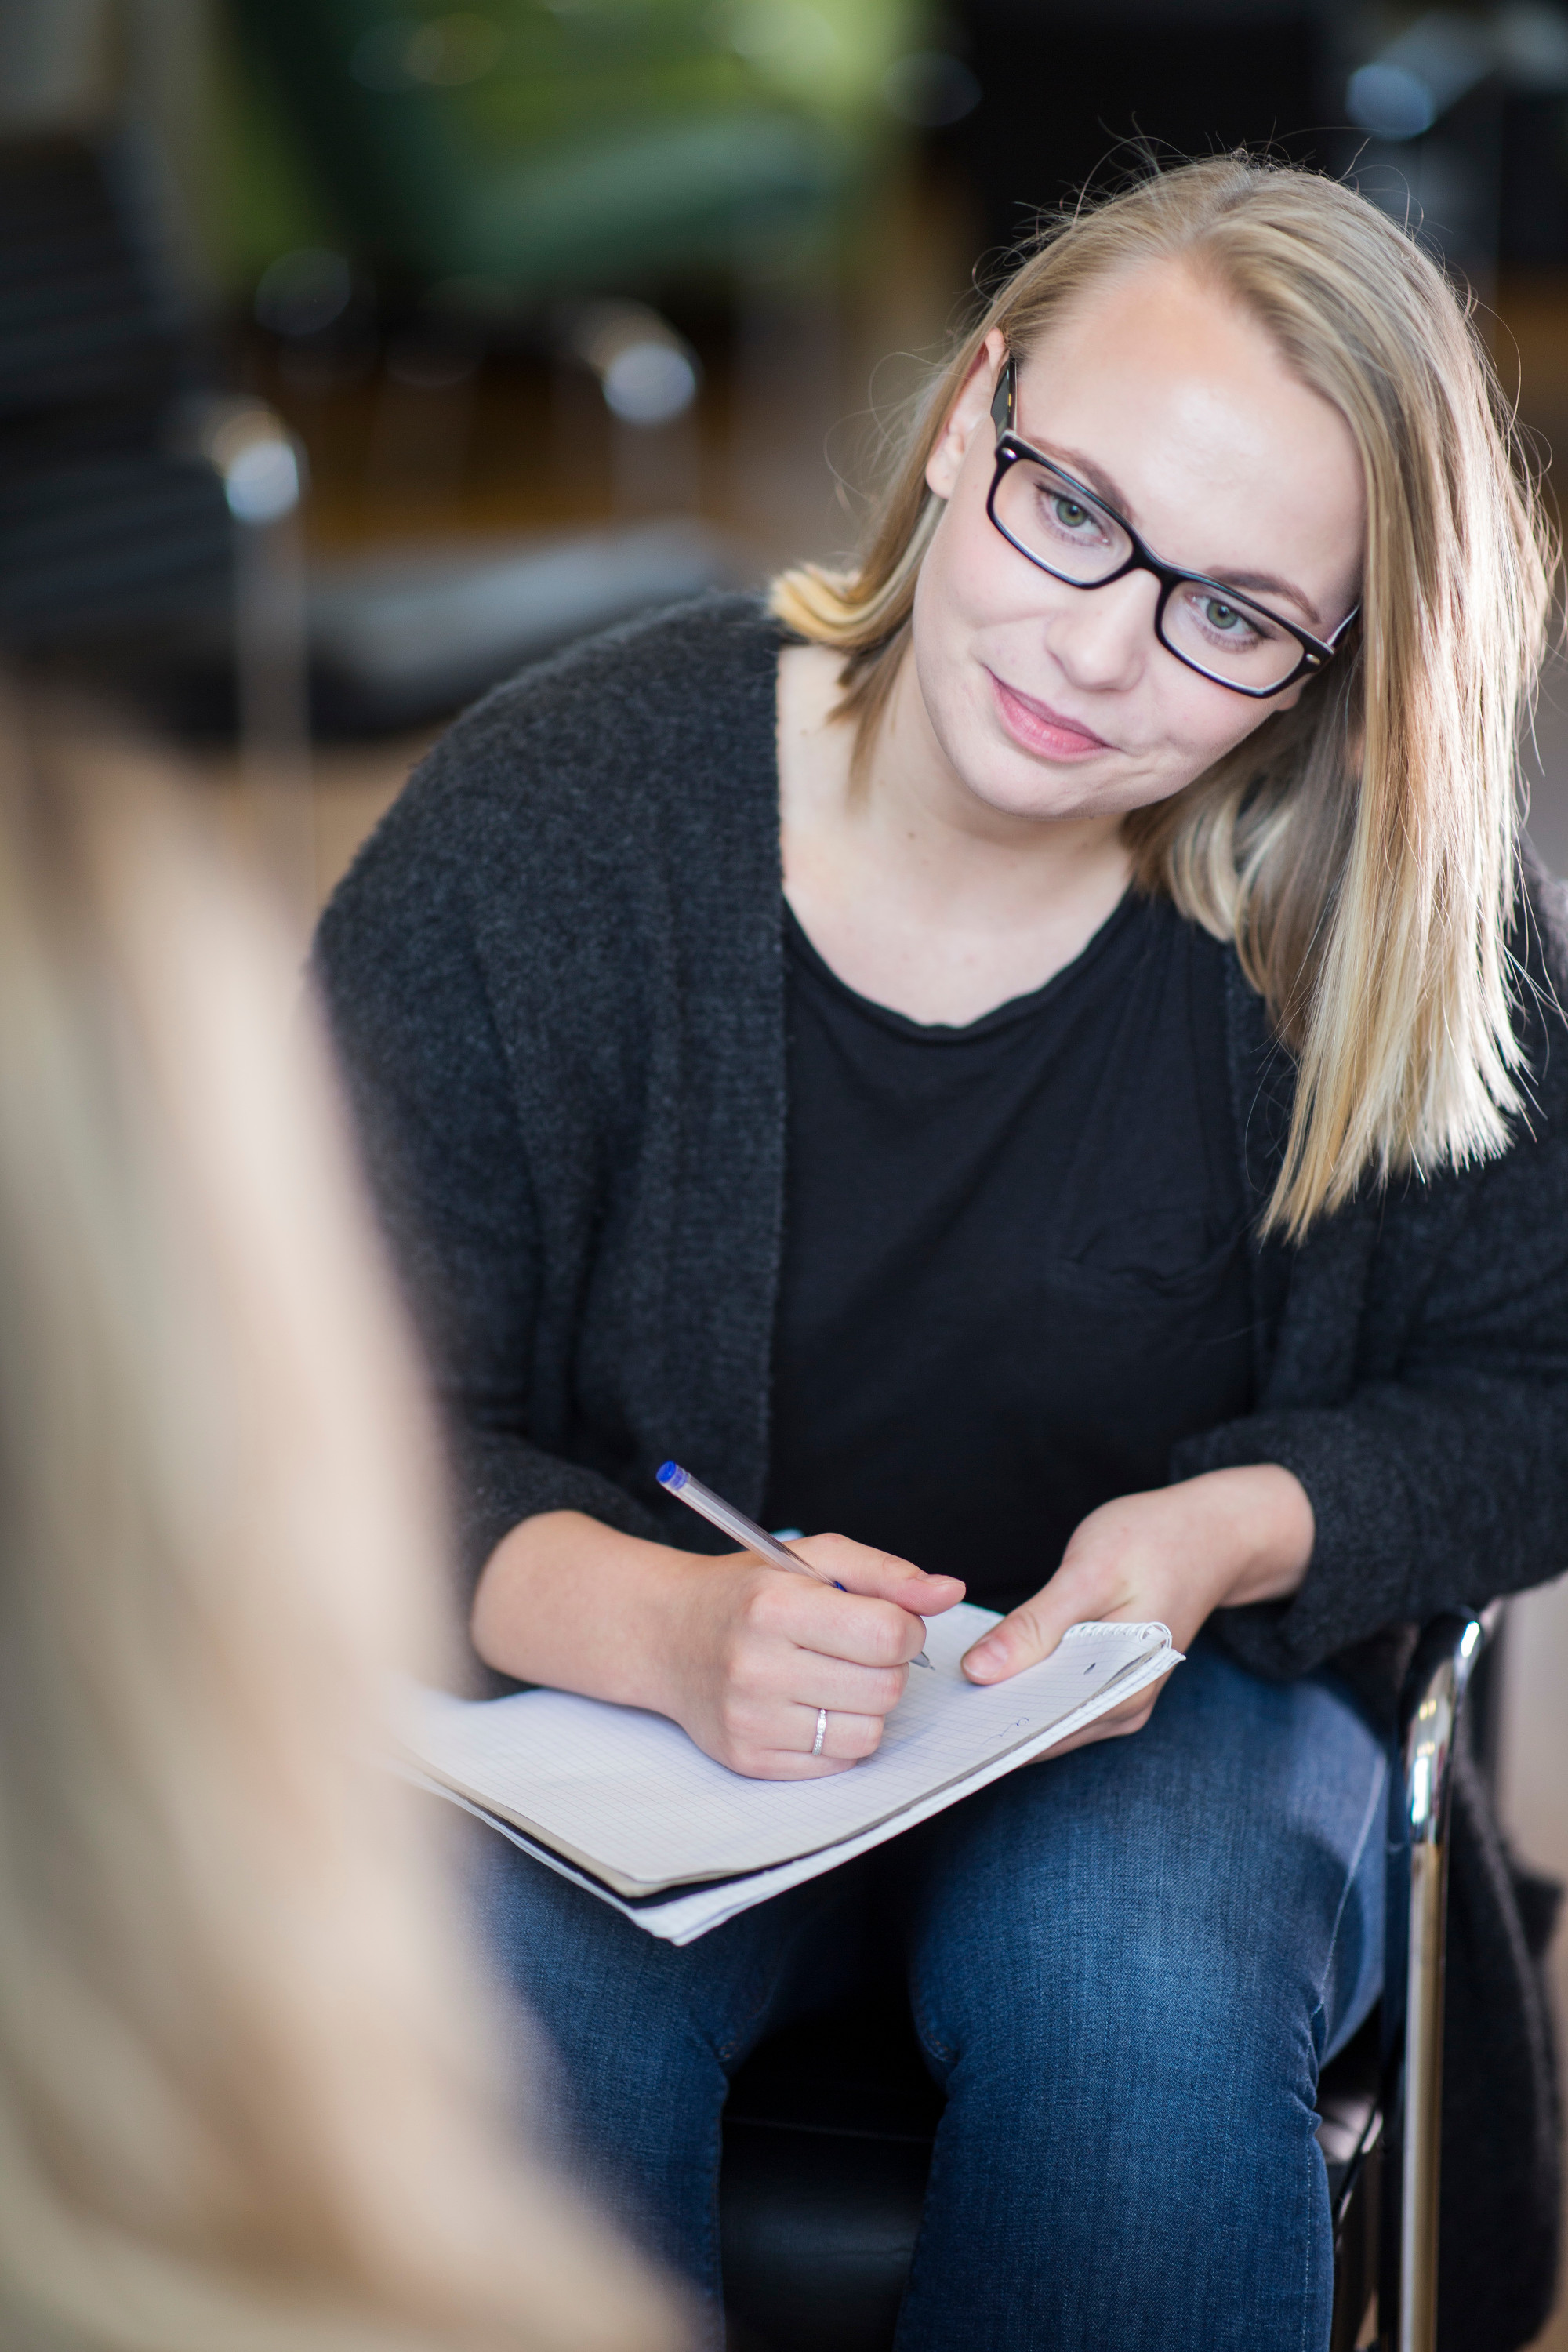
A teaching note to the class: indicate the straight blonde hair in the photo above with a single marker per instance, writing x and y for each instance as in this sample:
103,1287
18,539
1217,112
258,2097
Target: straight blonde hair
1360,849
251,2099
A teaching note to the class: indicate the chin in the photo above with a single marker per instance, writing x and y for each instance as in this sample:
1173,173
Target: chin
1039,792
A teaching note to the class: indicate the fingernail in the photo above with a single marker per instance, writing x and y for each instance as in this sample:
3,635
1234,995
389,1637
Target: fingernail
985,1657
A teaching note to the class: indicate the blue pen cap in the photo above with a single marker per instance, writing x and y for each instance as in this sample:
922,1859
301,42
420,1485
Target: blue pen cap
671,1474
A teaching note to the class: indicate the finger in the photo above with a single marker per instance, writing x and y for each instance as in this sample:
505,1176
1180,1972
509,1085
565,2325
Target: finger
781,1750
844,1626
814,1680
1025,1636
860,1568
788,1764
846,1738
1081,1592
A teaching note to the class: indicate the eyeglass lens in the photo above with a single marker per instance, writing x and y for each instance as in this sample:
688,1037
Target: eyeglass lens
1072,536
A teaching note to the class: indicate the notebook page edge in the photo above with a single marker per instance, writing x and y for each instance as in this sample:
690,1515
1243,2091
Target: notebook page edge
635,1888
743,1892
687,1918
684,1920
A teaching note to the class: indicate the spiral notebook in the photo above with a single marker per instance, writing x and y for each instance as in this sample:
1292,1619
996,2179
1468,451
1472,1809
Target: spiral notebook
626,1805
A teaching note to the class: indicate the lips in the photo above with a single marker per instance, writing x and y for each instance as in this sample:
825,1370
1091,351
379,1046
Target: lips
1040,728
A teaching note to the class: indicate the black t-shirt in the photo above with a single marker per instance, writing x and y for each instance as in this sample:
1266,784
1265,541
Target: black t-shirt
1013,1272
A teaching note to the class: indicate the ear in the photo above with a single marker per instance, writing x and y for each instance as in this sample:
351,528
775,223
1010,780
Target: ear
969,413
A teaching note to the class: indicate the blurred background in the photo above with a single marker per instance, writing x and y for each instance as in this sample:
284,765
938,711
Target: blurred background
355,351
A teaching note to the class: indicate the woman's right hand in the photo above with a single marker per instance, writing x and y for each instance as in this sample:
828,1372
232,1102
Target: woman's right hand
757,1650
740,1654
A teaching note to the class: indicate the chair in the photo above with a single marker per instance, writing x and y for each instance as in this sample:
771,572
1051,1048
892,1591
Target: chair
829,2125
141,511
149,523
129,493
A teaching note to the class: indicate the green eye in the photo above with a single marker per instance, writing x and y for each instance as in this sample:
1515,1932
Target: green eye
1070,514
1223,618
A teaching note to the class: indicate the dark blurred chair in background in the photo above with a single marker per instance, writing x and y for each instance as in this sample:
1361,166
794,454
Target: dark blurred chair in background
123,478
149,522
1455,118
146,520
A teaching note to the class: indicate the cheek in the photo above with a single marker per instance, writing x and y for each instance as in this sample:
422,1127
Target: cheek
966,613
962,581
1203,723
947,609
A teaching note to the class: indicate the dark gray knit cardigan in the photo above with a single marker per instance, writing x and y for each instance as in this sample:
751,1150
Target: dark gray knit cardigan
555,977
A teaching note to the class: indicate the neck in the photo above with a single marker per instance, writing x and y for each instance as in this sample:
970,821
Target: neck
961,853
917,893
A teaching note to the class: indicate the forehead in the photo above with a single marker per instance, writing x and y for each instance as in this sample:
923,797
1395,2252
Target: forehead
1164,384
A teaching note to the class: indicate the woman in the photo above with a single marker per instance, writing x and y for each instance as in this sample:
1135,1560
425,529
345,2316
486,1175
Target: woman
247,2077
1029,1055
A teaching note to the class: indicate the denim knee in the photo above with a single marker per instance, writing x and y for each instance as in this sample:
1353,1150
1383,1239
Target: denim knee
1143,2116
1146,2018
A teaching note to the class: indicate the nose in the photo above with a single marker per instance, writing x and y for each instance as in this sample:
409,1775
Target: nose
1102,637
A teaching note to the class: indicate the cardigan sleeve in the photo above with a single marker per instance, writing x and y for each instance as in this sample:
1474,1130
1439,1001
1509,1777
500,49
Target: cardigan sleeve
421,1059
1446,1484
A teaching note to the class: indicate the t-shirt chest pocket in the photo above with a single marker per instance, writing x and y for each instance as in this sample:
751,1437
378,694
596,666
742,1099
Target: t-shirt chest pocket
1152,1303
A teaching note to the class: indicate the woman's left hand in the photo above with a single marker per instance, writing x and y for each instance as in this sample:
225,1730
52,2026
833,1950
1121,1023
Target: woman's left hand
1175,1554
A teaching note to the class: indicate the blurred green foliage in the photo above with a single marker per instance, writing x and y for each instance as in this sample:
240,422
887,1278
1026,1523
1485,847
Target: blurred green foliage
544,145
535,71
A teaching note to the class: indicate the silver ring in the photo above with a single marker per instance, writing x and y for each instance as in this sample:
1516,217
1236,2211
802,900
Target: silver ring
821,1731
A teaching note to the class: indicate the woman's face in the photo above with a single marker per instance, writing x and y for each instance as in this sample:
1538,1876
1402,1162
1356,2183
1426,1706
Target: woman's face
1164,396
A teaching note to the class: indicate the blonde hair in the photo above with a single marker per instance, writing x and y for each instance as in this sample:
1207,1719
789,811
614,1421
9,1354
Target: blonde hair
1360,848
250,2100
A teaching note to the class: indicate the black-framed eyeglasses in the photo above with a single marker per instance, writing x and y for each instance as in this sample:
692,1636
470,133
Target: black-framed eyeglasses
1070,532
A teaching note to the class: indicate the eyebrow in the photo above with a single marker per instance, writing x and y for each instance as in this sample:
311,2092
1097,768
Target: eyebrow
1098,479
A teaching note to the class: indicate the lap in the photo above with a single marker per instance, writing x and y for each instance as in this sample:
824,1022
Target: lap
1236,1821
1229,1854
628,2042
1172,1926
618,2002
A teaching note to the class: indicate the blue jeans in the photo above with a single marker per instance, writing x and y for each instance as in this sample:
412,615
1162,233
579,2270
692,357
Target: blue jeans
1126,1967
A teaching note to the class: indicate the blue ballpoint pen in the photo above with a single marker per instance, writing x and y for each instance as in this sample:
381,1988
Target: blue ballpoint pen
732,1522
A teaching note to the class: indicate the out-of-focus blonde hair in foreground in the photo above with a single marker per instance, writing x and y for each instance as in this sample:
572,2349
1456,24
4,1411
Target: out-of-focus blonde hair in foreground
246,2098
1359,850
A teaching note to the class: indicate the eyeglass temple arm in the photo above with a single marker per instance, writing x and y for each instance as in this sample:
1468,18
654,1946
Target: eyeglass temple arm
1005,399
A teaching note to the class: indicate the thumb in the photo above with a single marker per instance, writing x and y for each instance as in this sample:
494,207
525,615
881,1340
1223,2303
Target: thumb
1028,1633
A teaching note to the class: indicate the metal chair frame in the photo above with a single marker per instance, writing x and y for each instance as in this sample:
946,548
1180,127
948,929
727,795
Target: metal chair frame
1430,1714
